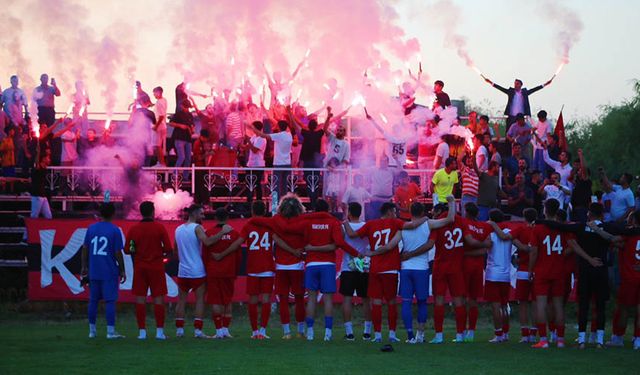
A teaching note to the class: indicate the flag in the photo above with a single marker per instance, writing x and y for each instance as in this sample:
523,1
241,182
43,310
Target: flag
559,131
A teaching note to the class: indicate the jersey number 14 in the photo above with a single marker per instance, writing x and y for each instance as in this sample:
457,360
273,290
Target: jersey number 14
556,246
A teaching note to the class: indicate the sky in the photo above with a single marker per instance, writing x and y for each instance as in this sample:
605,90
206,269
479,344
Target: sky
506,39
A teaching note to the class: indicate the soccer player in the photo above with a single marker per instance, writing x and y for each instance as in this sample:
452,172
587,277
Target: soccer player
190,237
103,265
473,267
546,267
385,263
221,260
354,277
148,243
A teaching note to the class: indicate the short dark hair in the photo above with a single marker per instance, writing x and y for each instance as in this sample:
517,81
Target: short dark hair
258,125
493,163
542,114
193,208
147,208
386,207
158,89
496,215
107,210
471,209
283,125
519,80
596,209
485,118
313,124
221,214
449,161
204,133
439,82
322,205
520,116
441,207
417,209
551,206
403,174
258,208
561,215
355,209
479,137
530,214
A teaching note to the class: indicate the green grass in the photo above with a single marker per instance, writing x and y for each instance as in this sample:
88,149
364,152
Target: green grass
44,343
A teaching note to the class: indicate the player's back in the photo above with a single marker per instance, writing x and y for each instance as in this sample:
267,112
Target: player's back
259,249
499,257
412,239
449,242
479,230
225,267
103,240
360,244
189,252
524,233
150,238
629,259
552,246
380,232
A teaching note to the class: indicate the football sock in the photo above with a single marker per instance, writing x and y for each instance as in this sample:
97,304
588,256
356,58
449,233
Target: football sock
560,330
300,327
300,308
422,310
407,316
266,313
392,316
110,312
328,322
309,322
581,337
438,317
286,329
524,331
198,323
159,312
636,332
141,313
617,330
552,327
328,332
410,334
253,316
226,321
179,323
284,309
533,331
93,311
498,332
542,331
111,329
473,317
263,331
159,331
376,315
348,328
392,334
461,318
92,328
367,326
217,321
506,325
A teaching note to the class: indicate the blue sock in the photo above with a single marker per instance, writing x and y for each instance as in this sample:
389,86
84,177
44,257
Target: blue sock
407,316
328,322
93,311
110,312
309,322
422,311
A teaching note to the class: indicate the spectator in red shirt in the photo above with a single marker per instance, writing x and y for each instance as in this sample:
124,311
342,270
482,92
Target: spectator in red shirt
405,194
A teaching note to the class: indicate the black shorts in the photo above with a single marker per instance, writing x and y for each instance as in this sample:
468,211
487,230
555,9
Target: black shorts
354,282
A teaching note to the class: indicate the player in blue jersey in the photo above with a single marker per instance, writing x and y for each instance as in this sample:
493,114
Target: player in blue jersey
103,267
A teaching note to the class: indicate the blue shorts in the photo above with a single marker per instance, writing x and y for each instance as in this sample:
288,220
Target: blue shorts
414,282
104,289
321,277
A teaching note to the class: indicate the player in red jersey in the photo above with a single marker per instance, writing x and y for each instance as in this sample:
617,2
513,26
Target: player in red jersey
221,261
148,243
450,242
385,262
473,267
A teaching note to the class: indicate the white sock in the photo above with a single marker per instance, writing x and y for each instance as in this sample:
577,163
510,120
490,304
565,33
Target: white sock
92,328
439,336
600,336
309,332
198,331
581,336
328,332
367,326
348,327
160,331
392,334
377,336
301,327
286,329
420,334
263,331
111,330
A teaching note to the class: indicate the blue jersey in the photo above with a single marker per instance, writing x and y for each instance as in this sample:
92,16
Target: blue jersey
103,240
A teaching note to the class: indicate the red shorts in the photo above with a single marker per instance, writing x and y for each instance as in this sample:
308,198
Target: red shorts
454,281
496,291
548,287
187,284
220,290
149,277
524,291
383,286
629,292
289,280
259,285
473,282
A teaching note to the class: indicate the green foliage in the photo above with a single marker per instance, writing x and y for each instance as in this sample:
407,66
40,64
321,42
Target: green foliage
612,140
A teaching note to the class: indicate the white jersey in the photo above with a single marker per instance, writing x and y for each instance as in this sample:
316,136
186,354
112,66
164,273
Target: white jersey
396,150
412,239
337,149
360,244
189,252
499,259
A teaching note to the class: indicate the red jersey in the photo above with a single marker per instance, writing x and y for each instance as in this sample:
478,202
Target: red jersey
479,230
227,266
524,234
449,242
552,246
259,249
151,242
380,232
630,258
319,230
570,260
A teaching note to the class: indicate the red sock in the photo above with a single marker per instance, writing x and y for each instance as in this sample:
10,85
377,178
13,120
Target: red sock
552,326
506,325
473,317
266,312
179,322
438,318
461,318
158,311
141,315
618,330
392,316
524,331
217,320
542,330
197,323
253,316
285,317
226,321
498,332
300,313
376,317
533,331
636,332
560,329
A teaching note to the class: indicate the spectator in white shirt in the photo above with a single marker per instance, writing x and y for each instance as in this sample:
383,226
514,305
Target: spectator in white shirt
622,199
356,193
542,131
442,152
160,127
554,189
562,167
256,146
482,153
282,141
